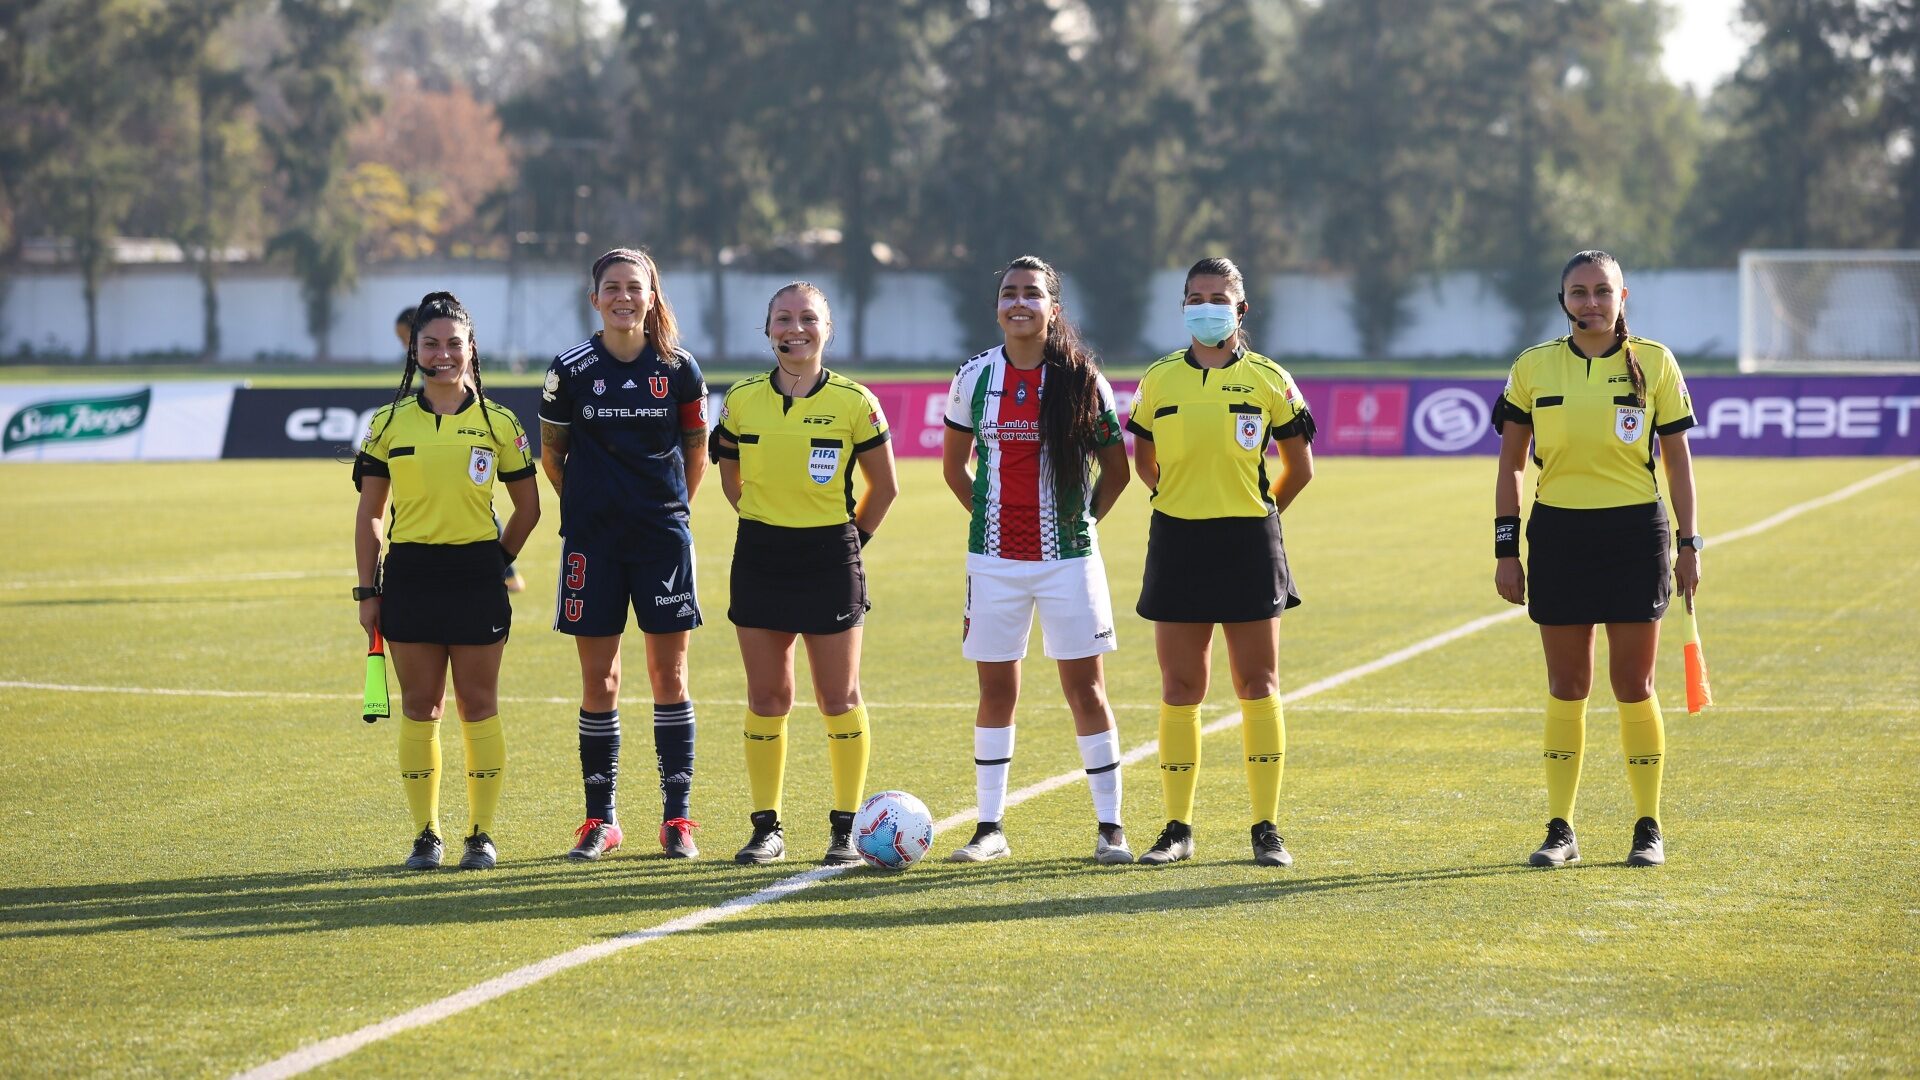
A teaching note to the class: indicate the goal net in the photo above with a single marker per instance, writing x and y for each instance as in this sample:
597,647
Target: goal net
1850,311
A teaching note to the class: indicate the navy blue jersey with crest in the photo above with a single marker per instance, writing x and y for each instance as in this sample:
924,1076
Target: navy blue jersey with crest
625,481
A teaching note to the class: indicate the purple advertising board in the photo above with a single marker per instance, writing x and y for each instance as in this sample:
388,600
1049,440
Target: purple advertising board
1753,416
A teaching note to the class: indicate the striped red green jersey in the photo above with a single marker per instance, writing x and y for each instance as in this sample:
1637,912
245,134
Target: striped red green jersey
1017,513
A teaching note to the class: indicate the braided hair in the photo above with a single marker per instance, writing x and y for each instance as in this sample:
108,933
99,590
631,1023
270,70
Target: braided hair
1596,257
1070,403
662,329
439,305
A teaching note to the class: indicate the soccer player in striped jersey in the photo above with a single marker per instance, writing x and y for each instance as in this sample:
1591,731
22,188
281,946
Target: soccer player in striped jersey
1036,415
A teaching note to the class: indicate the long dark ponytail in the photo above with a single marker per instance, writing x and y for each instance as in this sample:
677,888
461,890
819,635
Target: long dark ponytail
1070,398
1596,257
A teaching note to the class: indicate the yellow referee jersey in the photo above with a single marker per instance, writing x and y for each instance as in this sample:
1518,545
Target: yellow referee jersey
1210,428
1592,439
796,453
443,467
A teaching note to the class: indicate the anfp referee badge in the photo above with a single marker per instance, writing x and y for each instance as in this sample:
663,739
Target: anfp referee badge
1627,422
1246,428
480,465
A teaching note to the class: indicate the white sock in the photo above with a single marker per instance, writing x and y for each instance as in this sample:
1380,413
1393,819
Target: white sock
992,760
1100,753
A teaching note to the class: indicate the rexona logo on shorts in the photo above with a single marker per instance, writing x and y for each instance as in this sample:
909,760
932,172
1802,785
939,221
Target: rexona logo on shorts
77,419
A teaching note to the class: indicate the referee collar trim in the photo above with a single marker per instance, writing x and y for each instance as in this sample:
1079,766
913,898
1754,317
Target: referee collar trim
1575,346
1238,352
421,397
817,387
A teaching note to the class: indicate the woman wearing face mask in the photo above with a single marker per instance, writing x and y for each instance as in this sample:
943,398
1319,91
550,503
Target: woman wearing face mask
439,598
1204,417
1597,538
1036,413
787,442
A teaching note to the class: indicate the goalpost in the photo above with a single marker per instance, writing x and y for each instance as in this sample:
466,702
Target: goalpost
1830,311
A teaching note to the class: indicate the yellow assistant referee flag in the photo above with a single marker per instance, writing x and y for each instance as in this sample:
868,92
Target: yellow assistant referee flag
375,705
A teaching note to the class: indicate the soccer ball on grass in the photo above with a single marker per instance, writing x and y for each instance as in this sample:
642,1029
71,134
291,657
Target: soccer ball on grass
892,830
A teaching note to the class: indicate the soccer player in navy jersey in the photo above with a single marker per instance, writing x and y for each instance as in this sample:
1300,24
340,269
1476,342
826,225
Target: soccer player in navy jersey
623,420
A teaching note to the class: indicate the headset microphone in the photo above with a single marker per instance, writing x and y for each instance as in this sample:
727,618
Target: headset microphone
784,349
1577,320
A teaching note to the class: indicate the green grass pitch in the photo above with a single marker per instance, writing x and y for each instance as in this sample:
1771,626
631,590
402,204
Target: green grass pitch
198,882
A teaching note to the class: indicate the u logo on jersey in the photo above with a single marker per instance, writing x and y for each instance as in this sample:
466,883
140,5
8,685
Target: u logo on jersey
599,386
658,385
1628,422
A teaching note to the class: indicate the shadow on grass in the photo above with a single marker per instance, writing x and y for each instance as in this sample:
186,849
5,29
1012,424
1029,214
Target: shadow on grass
305,901
1265,887
643,892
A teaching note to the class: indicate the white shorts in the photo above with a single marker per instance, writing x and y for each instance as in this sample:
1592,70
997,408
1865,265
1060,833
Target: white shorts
1076,611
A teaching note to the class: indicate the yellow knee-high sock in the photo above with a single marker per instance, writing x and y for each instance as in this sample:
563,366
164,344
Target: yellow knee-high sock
766,759
1263,735
1565,742
1644,738
849,740
1179,758
486,766
420,771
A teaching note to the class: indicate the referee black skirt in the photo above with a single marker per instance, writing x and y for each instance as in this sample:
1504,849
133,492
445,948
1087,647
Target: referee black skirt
797,580
1597,566
1215,570
445,594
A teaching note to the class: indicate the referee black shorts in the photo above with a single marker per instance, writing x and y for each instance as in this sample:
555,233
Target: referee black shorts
798,581
1215,570
1597,566
445,594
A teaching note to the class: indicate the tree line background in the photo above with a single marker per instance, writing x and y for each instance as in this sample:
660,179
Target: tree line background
1387,139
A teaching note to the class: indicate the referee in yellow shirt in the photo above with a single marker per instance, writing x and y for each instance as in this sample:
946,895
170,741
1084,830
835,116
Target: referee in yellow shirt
1204,417
1594,405
440,599
787,444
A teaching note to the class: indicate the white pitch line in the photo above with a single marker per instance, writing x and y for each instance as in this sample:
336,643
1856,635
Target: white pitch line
329,1050
197,579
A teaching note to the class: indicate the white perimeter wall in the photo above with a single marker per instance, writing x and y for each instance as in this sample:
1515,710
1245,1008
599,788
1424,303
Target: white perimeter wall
536,313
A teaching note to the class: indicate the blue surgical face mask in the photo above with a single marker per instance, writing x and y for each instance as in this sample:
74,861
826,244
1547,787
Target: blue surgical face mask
1211,324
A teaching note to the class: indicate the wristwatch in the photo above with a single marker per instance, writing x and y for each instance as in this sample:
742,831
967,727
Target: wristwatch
366,592
1697,542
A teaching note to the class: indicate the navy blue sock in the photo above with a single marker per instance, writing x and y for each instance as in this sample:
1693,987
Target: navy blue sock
600,760
673,743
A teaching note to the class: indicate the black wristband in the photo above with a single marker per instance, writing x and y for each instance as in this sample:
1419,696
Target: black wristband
864,535
1506,537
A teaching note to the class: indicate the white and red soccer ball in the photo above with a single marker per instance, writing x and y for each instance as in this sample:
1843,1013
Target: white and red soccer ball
892,830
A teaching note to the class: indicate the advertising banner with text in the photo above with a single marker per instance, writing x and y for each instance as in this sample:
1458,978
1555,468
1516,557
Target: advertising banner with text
1759,416
162,421
1778,416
